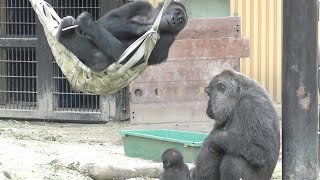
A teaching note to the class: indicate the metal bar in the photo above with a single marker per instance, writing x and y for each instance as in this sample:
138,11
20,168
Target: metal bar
29,81
25,26
83,100
25,70
22,87
19,26
7,73
97,108
10,19
54,104
18,42
299,95
16,82
43,72
30,59
30,14
11,79
70,97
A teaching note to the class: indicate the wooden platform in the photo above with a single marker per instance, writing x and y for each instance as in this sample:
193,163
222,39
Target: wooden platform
171,95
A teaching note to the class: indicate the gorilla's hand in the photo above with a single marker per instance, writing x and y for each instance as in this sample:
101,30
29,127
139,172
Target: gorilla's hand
216,142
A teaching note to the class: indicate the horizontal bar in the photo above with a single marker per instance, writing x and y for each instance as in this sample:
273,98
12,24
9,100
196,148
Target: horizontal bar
13,61
18,23
75,93
31,92
19,42
32,77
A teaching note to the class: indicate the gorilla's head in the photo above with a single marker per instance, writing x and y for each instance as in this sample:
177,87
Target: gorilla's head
174,19
172,158
224,92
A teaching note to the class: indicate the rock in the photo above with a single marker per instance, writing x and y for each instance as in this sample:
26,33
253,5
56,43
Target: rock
107,172
6,174
148,172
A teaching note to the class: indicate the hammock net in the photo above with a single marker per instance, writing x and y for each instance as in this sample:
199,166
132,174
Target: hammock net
81,77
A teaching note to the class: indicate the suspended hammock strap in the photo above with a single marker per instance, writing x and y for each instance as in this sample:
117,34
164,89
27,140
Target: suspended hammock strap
117,75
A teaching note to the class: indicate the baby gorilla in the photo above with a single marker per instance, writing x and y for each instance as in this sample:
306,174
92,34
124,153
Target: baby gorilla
174,167
245,141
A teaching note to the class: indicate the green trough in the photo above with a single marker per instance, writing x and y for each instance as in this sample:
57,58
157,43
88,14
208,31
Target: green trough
150,144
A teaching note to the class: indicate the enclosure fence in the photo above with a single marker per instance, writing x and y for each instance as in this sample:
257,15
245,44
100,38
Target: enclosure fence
31,84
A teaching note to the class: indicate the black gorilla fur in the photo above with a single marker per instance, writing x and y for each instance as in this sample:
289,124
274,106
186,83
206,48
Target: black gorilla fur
245,141
104,41
174,167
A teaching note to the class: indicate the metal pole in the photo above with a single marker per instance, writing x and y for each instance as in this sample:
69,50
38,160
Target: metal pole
299,91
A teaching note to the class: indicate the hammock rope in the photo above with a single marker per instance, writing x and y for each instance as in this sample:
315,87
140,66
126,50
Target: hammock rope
81,77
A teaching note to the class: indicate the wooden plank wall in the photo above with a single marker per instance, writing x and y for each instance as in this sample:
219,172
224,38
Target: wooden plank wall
171,95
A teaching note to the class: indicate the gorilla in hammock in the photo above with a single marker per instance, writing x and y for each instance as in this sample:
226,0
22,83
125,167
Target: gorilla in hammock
105,40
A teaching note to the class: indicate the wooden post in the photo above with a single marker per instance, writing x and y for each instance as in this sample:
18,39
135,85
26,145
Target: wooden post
299,91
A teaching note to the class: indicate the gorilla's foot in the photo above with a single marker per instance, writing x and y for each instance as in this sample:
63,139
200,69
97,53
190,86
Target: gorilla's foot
67,22
85,21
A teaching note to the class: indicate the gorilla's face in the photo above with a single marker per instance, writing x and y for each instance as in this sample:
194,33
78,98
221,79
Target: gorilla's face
223,95
174,18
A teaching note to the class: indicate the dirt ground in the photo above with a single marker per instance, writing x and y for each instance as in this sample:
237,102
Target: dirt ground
60,151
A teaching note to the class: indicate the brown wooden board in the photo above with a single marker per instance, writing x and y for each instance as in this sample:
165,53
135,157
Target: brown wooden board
175,91
186,70
192,111
211,28
209,48
171,95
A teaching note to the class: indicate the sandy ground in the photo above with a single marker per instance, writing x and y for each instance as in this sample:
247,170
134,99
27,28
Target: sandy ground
59,151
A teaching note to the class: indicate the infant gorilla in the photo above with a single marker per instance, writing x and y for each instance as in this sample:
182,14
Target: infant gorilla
105,40
245,141
174,167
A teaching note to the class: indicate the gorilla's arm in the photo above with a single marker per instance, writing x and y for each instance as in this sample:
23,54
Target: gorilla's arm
231,143
246,114
132,9
161,50
104,40
121,22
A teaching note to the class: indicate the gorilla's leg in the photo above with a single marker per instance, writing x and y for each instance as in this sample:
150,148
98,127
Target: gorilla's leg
105,41
207,165
82,46
237,168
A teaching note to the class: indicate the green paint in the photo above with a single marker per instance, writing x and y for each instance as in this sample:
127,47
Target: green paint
150,144
207,8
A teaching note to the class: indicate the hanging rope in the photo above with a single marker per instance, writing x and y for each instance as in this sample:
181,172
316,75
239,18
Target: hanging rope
117,75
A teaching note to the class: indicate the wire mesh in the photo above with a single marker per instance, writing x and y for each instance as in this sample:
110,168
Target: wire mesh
65,98
18,79
16,18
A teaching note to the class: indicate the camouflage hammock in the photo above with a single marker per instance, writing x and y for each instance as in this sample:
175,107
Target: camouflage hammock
81,77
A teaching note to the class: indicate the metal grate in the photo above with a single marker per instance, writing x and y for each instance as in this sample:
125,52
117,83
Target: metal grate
18,79
65,98
16,18
76,7
31,84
